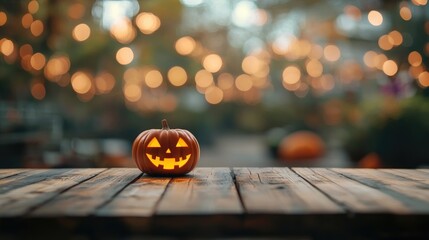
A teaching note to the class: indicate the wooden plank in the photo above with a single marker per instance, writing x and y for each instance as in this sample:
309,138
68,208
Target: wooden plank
85,198
27,177
356,197
279,191
137,199
20,201
410,174
203,191
412,194
4,173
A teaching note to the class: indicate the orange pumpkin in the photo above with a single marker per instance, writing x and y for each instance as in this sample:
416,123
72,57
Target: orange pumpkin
166,151
301,145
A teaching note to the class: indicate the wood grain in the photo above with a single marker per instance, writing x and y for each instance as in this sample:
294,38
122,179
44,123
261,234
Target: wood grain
356,197
412,194
27,177
4,173
280,191
85,198
137,199
19,201
203,191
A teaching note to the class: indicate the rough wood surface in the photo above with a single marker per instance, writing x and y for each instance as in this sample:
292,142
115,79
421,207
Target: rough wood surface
203,191
4,173
138,199
19,201
414,195
85,198
215,202
27,177
355,196
280,190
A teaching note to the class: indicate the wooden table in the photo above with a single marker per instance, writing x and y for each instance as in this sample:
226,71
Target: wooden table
215,202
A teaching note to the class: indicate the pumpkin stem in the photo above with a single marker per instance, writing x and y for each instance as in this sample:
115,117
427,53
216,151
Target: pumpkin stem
165,124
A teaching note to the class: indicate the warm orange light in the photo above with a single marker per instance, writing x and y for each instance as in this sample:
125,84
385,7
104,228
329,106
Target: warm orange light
419,2
415,59
153,79
332,53
385,42
37,61
314,68
423,79
104,82
390,68
251,64
3,18
185,45
36,28
225,81
405,13
177,76
38,90
327,82
81,82
203,78
33,6
396,37
291,75
375,18
6,47
123,31
148,22
81,32
76,11
27,20
213,95
212,63
380,59
369,59
132,92
57,66
124,56
243,82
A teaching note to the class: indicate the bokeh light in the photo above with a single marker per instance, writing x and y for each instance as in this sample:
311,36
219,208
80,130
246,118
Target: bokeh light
332,53
203,78
124,56
212,63
415,59
390,67
148,22
213,95
38,90
375,18
3,18
185,45
291,75
243,82
81,82
177,76
153,78
81,32
37,61
37,28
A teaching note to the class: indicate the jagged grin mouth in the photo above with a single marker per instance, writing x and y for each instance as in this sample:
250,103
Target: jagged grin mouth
168,163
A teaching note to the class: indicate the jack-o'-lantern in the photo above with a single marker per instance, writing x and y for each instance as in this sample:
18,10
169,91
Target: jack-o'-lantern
166,151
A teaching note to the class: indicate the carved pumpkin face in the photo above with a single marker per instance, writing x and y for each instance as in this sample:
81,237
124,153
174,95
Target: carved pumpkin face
166,151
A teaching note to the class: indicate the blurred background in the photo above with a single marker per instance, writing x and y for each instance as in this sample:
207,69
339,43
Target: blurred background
260,83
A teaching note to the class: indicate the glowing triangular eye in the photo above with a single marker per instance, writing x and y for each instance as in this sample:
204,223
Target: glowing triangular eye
181,143
154,143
